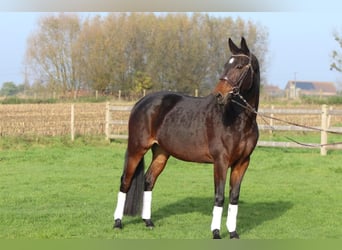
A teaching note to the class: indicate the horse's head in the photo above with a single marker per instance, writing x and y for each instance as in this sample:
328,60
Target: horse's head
240,73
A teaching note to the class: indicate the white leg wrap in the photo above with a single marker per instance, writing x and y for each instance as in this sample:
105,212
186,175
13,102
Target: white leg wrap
231,218
217,215
147,203
120,205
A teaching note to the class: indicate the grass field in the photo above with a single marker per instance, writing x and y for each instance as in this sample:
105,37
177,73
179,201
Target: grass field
51,188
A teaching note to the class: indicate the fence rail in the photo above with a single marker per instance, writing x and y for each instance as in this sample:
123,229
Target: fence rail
325,114
52,119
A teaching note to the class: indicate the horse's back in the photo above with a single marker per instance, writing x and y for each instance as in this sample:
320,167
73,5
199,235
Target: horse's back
148,114
154,104
162,102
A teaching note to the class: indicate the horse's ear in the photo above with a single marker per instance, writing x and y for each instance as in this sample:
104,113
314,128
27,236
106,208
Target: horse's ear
233,48
244,47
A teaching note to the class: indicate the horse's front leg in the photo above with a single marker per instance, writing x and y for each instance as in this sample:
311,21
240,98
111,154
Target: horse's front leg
220,174
236,176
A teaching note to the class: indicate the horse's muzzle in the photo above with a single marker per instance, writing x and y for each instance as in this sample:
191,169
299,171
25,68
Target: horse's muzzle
224,91
223,99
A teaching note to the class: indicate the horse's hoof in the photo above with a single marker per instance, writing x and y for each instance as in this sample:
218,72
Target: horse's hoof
216,234
234,235
148,223
117,224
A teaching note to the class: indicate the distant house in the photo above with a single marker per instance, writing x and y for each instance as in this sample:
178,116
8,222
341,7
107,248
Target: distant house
312,88
272,91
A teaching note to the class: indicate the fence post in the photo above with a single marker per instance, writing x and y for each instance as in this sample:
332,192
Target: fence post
72,122
107,121
271,120
324,126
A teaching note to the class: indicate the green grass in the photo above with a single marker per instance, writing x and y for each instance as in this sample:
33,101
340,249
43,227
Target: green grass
51,188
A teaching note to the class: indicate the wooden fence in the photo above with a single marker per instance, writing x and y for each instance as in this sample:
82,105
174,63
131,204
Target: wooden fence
325,127
52,119
116,125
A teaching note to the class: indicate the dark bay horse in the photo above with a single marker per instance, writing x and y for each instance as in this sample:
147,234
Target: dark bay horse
214,129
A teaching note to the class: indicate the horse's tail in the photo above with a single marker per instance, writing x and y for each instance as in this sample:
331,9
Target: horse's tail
135,193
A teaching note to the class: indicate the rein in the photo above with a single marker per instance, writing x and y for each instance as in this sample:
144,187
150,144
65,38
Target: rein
248,107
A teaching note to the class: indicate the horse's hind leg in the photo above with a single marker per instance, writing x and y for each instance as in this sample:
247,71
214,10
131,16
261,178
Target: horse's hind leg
159,160
132,162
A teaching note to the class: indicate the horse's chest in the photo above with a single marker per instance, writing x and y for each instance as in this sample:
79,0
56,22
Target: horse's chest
237,139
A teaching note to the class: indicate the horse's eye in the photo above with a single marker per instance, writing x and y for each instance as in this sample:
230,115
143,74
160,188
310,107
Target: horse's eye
239,66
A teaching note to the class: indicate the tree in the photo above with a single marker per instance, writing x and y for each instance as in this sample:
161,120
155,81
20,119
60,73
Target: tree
337,54
179,51
92,63
51,52
9,89
123,51
142,82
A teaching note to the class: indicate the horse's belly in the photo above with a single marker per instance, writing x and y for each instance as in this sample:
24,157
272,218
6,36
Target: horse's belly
186,149
183,134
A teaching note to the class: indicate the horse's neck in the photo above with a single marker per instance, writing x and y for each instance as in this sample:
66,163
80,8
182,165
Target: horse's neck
255,103
252,99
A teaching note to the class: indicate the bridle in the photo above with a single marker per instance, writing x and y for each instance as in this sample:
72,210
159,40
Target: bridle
237,84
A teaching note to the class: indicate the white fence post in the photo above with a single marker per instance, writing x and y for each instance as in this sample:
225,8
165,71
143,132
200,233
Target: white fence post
107,121
324,126
72,122
271,120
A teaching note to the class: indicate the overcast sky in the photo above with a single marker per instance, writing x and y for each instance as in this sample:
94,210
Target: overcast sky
300,43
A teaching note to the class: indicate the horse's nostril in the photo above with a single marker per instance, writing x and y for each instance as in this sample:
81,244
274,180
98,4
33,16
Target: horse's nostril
219,95
222,99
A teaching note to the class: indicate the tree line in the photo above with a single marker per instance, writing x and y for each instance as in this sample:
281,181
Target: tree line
133,52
